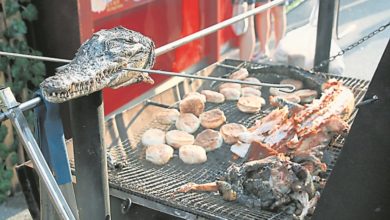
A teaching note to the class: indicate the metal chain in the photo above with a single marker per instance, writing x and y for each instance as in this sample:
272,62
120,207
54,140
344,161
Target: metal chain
351,46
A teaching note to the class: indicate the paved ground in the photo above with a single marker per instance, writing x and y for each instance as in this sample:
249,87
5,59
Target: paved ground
357,18
15,208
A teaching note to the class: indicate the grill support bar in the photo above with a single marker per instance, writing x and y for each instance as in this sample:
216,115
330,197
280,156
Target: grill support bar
324,34
87,122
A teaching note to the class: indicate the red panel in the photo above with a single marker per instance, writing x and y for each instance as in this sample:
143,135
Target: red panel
163,21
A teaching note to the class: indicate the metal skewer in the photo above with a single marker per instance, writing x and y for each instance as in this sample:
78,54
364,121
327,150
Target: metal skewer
284,87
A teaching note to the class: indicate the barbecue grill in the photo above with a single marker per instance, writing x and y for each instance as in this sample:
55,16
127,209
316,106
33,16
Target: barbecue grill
155,186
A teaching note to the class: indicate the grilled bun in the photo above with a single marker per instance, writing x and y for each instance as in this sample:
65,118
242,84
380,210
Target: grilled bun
153,136
176,138
239,74
230,132
213,97
167,116
159,154
251,79
230,94
209,140
192,154
197,94
212,119
250,91
230,86
251,104
187,122
298,84
192,104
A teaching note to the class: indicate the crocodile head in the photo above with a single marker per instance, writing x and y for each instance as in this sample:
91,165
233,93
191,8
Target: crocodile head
100,63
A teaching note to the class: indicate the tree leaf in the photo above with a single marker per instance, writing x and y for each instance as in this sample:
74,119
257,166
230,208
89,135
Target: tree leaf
30,13
11,7
17,28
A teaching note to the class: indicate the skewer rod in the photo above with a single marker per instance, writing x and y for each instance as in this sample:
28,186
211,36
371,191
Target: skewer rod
286,87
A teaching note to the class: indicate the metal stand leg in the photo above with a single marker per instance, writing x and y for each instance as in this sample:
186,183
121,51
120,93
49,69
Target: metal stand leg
324,33
90,157
15,114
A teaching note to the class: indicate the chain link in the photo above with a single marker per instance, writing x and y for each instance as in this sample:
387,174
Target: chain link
351,46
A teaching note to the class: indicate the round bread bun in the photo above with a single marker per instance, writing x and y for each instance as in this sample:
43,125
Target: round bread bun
212,119
253,80
230,132
187,122
212,96
192,104
167,116
176,138
250,91
306,95
251,104
230,86
201,96
240,74
153,136
297,83
276,92
231,94
209,139
159,154
192,154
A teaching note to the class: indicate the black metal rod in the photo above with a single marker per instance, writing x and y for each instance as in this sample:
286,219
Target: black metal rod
87,123
324,34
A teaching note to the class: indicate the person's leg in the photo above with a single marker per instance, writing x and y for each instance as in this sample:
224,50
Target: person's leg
279,15
263,28
248,39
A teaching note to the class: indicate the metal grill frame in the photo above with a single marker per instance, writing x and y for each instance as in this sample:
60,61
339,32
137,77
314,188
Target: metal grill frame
190,205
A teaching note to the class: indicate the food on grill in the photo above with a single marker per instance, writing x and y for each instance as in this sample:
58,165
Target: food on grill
167,116
284,172
192,104
209,140
298,84
306,95
274,183
187,122
212,119
230,93
231,131
201,96
159,154
276,92
240,74
212,96
288,97
258,150
251,79
240,149
192,154
250,91
153,136
303,127
250,104
230,86
177,139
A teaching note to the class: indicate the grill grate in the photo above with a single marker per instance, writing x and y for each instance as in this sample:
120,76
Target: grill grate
155,183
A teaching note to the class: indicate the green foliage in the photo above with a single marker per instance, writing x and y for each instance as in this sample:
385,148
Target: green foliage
16,29
30,13
11,7
20,74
